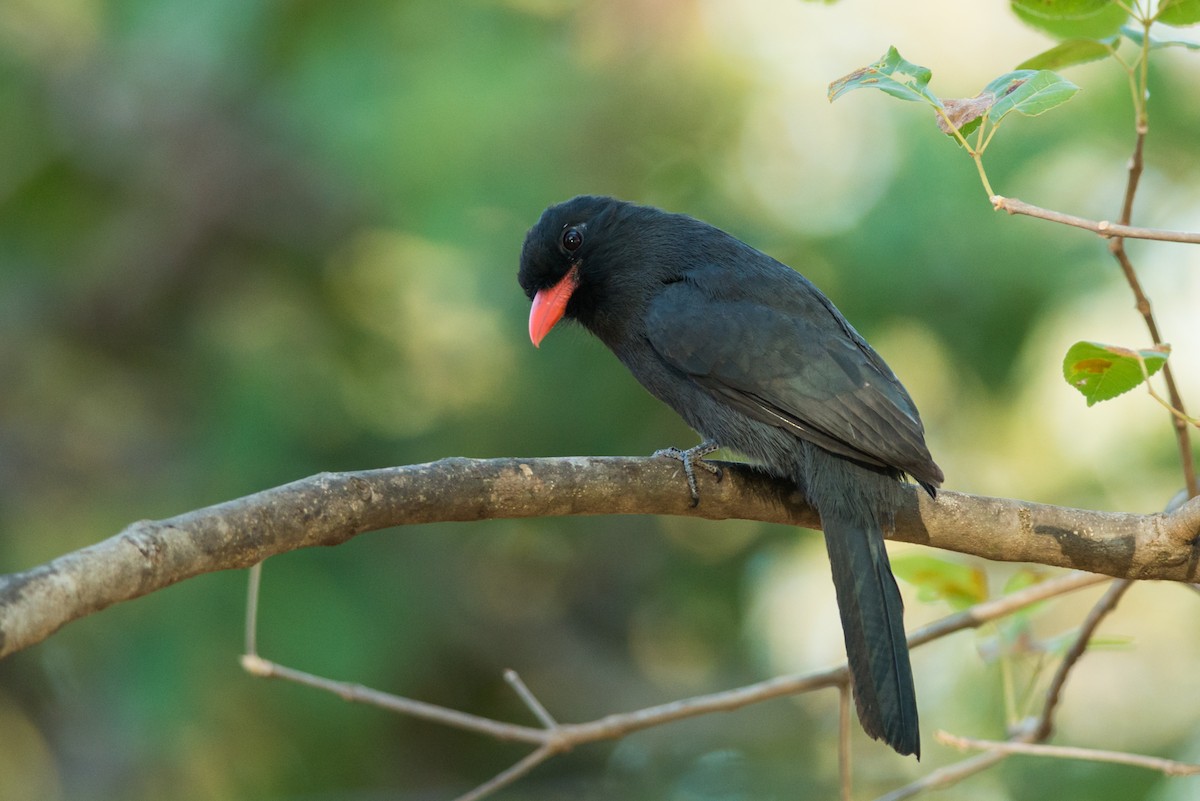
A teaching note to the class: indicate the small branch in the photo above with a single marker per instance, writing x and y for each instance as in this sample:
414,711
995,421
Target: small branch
556,737
331,508
1097,613
531,701
252,588
1141,301
945,777
1137,162
562,736
357,693
1007,747
997,608
507,777
1103,228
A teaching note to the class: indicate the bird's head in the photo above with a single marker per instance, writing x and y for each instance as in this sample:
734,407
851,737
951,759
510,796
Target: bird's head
554,260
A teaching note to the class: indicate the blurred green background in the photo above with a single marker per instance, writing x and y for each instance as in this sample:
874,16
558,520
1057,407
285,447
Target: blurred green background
245,241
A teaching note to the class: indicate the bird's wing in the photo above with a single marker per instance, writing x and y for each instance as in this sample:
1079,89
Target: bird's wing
780,353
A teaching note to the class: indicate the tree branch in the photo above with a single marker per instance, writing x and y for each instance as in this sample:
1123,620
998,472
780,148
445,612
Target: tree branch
1170,767
1103,228
554,737
1087,630
1117,247
330,508
945,776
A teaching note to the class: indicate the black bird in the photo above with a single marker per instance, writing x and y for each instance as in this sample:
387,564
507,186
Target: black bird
757,360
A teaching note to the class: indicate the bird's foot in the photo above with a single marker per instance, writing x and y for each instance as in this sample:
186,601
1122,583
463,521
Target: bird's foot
691,458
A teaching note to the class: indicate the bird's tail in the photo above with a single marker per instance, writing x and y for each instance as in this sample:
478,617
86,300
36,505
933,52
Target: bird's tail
873,623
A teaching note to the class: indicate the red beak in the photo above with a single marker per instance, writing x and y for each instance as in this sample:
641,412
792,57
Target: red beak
550,304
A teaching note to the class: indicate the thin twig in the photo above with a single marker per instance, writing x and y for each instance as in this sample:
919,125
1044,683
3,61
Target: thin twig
945,777
996,608
1102,608
530,700
357,693
1117,248
507,777
252,588
1103,228
555,737
1170,767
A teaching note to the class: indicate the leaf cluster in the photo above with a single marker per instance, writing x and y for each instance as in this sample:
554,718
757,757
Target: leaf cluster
1087,30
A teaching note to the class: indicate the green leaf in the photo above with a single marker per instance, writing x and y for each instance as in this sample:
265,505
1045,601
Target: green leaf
942,580
1136,35
1008,81
1029,93
1092,20
1069,53
1102,372
1062,9
1178,13
891,74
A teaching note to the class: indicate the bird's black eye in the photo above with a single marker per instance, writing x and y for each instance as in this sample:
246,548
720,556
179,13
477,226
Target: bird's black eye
572,239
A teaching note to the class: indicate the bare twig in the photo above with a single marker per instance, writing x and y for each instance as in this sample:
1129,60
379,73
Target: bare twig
1137,164
996,608
357,693
252,588
1101,610
1170,767
1103,228
507,777
1142,302
945,777
621,724
530,700
557,737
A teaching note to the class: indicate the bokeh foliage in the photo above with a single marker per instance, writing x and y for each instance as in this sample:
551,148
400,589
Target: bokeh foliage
245,241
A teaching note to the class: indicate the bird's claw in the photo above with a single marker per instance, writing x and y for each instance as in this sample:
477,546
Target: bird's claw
690,458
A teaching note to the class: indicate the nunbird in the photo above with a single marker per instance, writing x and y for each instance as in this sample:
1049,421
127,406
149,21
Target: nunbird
758,361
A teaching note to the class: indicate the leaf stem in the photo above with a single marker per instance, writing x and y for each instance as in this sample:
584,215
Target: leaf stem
953,129
1170,767
987,186
1178,415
